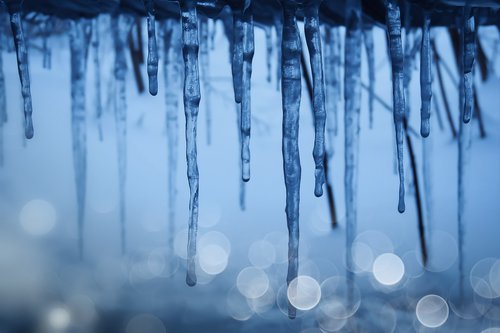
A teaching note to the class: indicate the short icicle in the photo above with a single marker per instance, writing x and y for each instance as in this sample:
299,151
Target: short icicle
370,56
291,91
393,18
425,77
192,98
152,48
79,39
120,27
468,57
246,115
313,40
352,98
173,83
204,66
14,8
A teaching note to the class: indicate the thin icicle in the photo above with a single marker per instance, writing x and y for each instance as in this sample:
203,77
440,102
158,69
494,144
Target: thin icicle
204,64
269,51
14,8
237,58
97,76
393,21
291,91
173,83
313,40
427,179
425,76
152,48
47,54
468,56
352,97
3,107
79,34
121,27
191,106
370,56
246,115
337,75
278,24
242,196
213,33
329,90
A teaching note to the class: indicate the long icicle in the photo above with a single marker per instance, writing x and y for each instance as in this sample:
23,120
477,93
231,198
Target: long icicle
352,97
14,8
79,39
337,76
291,91
121,26
204,64
370,56
242,196
173,83
330,98
246,115
192,98
269,51
468,57
3,106
237,57
97,76
313,40
152,48
425,77
393,18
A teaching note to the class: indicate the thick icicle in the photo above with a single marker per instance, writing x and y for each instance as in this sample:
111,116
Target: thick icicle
352,97
278,24
291,91
393,18
269,51
121,26
425,76
79,34
173,83
97,76
370,56
3,106
237,58
204,64
468,55
313,40
246,115
152,48
191,106
14,8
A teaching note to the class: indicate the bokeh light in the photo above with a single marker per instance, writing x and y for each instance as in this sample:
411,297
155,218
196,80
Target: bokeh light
388,269
304,292
38,217
261,254
252,282
432,311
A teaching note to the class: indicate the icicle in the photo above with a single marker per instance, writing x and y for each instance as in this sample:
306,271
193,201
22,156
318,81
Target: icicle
80,33
237,58
97,76
291,90
330,90
246,116
468,55
45,45
3,106
173,83
213,32
425,76
427,178
278,24
396,50
370,56
14,8
269,51
191,106
204,62
242,197
152,48
352,97
313,40
121,27
337,77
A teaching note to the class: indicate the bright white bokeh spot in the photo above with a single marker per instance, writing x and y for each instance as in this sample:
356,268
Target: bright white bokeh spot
362,255
261,254
213,259
252,282
38,217
388,269
59,318
366,247
432,311
304,292
483,282
145,323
